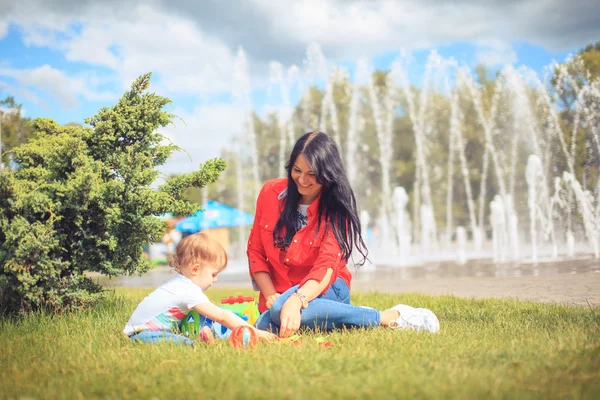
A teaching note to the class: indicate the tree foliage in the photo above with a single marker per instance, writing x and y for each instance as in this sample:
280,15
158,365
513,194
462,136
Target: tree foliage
80,200
569,80
15,129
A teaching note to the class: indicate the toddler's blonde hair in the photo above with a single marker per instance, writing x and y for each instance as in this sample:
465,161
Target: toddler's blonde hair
198,248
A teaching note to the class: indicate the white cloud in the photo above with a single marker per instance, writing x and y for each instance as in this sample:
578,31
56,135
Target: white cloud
40,37
185,59
93,46
203,134
182,57
187,38
23,93
495,52
56,84
190,46
349,29
3,29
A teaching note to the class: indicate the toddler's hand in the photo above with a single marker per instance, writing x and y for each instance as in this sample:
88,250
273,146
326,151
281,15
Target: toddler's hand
268,336
206,335
271,299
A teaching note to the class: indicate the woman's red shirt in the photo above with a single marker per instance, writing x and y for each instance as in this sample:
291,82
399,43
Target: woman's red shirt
309,254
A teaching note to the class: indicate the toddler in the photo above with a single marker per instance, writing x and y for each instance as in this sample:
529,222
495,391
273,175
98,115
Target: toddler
198,259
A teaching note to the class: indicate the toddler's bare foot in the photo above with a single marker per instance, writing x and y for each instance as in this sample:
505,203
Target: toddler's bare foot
388,316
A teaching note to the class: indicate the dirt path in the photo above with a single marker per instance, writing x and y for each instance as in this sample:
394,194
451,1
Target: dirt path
570,288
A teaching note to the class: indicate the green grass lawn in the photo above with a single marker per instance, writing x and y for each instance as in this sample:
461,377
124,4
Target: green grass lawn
486,349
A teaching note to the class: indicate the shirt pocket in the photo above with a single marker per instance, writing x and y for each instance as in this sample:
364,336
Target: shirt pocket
267,225
311,242
309,250
266,231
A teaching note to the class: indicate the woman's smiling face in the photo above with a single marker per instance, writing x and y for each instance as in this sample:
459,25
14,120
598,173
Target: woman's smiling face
306,180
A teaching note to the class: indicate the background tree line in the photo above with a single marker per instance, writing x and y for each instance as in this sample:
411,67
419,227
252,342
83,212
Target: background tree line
16,130
582,70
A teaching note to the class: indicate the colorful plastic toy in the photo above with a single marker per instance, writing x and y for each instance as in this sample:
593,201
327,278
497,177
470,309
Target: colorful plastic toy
242,305
193,322
294,339
222,332
322,342
243,337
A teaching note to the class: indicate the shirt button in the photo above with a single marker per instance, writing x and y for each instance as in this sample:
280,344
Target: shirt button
266,226
287,260
339,254
310,243
295,241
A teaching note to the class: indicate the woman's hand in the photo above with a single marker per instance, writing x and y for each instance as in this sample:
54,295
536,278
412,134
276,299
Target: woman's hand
271,299
290,317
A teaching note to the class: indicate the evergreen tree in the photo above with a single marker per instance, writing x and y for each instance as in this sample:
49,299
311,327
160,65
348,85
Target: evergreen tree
80,200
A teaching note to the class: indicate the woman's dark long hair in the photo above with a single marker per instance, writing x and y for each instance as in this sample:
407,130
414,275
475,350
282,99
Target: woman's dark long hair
337,202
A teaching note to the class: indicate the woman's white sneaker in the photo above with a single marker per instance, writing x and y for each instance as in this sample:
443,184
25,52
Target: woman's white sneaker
418,319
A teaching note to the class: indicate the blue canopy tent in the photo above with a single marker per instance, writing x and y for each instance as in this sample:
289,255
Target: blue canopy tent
214,215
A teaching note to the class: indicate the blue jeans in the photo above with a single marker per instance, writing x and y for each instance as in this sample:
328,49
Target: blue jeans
329,311
161,336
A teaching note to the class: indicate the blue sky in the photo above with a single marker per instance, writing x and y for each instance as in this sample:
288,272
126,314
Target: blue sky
67,59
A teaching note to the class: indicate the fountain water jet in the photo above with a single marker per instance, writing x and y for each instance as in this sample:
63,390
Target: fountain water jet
361,78
403,237
514,116
284,116
591,220
499,232
241,90
461,244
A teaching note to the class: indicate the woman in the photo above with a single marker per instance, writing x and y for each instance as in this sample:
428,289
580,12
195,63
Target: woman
304,230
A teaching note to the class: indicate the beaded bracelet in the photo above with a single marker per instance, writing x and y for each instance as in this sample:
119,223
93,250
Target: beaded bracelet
302,298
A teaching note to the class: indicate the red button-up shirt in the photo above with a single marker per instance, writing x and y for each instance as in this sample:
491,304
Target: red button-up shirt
308,256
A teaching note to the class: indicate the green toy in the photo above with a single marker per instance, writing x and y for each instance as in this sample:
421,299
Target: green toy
193,322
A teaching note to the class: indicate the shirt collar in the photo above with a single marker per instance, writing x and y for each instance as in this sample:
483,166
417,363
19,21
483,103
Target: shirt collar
283,194
312,209
314,206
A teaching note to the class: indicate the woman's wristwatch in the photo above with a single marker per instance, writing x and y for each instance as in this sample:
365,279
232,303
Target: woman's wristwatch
302,298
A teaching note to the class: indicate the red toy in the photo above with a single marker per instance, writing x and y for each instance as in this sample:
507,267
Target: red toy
323,343
243,337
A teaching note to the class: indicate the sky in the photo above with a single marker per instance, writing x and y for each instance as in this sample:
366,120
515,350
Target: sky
65,59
